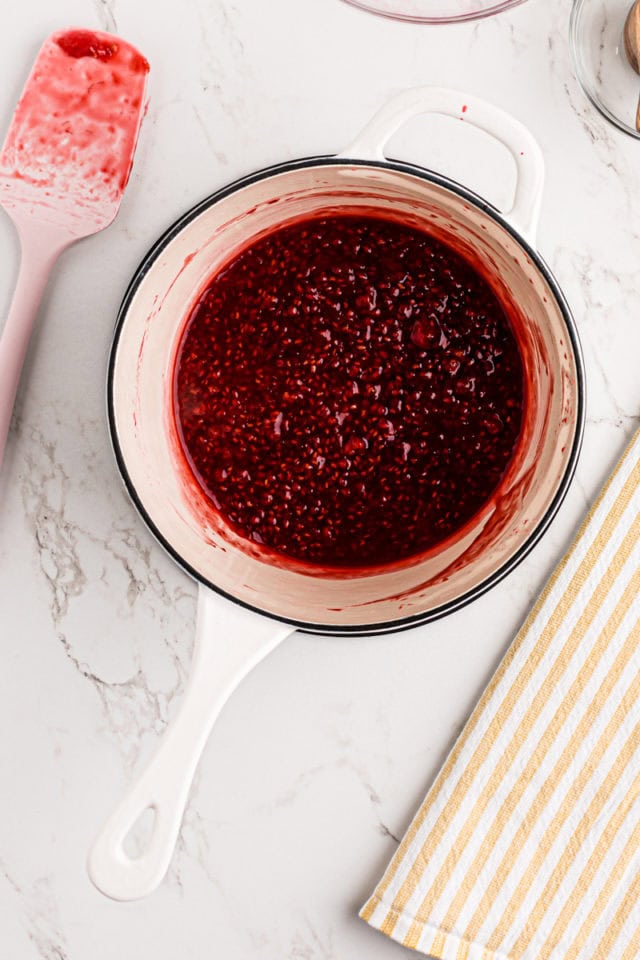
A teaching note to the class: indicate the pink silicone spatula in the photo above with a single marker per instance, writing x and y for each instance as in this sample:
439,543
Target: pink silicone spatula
63,168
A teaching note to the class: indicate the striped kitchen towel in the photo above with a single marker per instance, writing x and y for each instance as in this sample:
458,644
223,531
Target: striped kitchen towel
527,846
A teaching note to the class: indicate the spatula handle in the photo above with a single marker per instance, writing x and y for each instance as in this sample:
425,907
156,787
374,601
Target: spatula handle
39,251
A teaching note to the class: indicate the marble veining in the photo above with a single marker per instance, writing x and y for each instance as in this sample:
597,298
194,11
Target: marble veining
318,762
105,10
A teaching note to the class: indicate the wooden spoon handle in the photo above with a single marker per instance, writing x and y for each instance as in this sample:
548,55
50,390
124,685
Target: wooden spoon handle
632,36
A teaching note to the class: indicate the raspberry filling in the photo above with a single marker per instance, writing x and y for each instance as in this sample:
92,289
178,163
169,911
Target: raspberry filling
348,391
84,43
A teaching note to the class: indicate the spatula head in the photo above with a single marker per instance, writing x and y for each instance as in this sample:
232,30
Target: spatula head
69,150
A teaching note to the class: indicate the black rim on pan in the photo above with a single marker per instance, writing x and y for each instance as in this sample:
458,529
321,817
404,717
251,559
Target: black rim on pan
404,623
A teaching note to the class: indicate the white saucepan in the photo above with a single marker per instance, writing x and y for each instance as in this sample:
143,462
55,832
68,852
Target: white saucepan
247,605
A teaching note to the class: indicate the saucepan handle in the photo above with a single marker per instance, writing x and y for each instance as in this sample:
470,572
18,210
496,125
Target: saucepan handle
372,141
230,641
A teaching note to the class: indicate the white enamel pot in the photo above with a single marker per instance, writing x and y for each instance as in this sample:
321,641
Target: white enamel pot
248,602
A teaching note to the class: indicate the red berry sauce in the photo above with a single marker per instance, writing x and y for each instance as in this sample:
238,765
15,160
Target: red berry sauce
348,391
85,43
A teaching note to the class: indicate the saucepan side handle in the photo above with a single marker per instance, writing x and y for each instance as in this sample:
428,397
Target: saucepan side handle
230,641
372,141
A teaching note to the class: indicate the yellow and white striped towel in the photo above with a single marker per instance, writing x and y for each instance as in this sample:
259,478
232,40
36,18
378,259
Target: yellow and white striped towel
527,846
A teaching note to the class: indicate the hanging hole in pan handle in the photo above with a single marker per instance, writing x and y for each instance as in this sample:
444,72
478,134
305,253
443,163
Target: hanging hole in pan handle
372,141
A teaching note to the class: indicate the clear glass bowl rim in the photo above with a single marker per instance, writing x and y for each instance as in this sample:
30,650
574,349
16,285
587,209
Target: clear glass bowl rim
497,7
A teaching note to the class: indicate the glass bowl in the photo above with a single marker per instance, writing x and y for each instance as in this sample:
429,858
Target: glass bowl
435,11
600,63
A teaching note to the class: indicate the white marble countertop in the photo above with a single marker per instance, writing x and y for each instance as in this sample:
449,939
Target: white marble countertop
318,762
